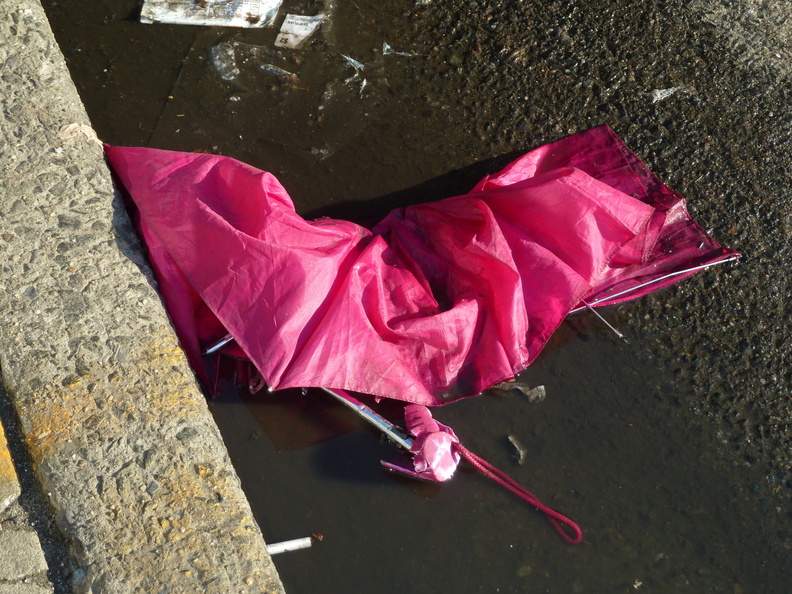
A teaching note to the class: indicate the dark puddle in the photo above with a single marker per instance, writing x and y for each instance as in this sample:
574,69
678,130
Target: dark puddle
610,446
661,508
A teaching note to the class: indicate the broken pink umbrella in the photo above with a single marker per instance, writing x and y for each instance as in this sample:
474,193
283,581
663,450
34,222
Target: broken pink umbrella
437,302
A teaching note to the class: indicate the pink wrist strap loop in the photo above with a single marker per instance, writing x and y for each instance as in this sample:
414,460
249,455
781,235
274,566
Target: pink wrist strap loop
558,520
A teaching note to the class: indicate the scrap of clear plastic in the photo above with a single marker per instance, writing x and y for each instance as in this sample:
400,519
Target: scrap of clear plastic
223,59
211,13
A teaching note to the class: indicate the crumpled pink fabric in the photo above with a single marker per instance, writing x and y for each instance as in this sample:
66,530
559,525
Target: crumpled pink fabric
436,302
433,455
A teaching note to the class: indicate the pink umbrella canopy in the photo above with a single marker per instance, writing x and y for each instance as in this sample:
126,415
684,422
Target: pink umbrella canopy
438,301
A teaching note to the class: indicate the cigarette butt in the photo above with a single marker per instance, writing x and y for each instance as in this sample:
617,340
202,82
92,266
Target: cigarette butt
290,545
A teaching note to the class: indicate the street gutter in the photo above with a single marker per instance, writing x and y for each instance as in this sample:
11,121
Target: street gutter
119,433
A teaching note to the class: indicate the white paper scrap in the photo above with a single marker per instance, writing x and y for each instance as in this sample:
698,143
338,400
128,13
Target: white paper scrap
296,29
211,13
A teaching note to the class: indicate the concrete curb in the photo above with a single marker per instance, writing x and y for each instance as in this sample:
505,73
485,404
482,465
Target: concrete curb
9,484
120,434
21,556
24,564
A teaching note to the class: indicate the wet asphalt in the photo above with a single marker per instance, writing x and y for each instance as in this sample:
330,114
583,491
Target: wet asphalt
699,89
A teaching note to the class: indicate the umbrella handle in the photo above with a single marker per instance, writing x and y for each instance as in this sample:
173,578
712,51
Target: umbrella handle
558,520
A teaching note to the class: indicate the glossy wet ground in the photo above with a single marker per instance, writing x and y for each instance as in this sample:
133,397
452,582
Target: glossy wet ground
609,446
642,443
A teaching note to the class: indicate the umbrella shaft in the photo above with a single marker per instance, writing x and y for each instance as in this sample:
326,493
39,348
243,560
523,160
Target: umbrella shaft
394,433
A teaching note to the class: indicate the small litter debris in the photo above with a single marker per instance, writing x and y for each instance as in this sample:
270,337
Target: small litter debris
358,66
223,59
533,394
294,545
230,60
522,452
388,50
278,72
660,94
211,13
78,131
296,29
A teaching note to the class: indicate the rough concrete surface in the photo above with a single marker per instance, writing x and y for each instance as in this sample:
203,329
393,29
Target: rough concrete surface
32,512
20,555
9,484
23,589
23,566
118,431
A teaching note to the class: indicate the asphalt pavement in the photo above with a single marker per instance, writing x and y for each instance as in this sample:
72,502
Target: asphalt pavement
700,89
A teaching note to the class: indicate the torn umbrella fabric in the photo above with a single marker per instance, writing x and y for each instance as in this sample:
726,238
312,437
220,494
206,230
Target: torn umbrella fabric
436,302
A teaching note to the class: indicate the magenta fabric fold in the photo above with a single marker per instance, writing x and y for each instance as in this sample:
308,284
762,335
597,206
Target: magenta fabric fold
438,301
433,453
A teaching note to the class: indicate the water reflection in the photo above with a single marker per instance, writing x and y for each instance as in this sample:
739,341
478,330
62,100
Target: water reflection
607,446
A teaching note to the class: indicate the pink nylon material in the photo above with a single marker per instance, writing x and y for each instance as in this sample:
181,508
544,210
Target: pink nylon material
433,455
437,302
